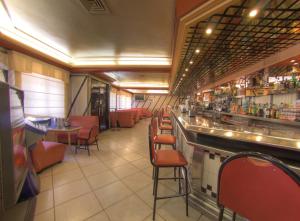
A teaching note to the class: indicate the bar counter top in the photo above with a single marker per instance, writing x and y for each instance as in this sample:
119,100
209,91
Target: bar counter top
276,138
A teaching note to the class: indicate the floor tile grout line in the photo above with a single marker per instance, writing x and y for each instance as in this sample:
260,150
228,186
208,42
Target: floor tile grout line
102,207
54,211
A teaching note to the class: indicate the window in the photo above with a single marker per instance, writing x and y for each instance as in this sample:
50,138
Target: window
128,102
44,96
112,100
124,101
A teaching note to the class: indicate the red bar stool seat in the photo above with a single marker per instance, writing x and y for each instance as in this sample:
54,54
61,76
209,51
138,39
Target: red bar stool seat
170,157
166,121
259,188
166,115
164,159
165,139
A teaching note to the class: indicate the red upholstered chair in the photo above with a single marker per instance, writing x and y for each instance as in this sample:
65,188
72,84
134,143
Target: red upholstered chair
126,118
86,136
46,153
164,159
259,188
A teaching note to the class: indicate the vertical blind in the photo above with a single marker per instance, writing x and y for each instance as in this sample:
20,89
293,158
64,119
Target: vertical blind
44,96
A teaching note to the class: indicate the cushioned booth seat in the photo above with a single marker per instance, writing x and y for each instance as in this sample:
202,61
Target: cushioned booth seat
126,118
46,153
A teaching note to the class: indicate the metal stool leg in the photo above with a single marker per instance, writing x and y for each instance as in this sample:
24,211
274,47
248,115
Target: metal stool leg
233,216
97,144
221,213
179,180
88,149
154,178
155,191
186,191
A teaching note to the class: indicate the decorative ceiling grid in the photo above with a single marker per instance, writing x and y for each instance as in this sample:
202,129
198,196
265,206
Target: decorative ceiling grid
236,40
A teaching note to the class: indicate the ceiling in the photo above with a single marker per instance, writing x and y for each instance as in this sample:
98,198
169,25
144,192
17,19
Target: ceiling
132,28
231,39
133,33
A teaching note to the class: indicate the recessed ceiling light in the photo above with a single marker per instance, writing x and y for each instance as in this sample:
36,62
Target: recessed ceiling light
197,51
191,62
253,13
296,63
208,31
186,69
183,75
292,61
181,79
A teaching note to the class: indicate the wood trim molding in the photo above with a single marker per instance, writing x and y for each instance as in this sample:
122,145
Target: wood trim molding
200,13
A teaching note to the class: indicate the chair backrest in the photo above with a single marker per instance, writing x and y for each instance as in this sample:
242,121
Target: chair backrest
154,126
84,121
151,144
259,188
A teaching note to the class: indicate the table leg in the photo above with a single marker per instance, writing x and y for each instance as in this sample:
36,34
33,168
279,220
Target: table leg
69,139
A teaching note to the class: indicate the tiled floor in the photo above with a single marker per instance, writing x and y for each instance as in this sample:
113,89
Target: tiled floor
113,184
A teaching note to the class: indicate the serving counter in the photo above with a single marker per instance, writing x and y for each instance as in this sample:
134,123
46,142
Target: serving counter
206,142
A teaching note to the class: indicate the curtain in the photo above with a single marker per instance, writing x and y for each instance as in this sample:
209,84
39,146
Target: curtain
21,63
44,96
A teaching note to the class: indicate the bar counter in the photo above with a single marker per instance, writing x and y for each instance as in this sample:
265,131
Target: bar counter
206,142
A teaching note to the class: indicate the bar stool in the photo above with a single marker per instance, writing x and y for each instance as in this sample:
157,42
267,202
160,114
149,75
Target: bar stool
162,139
166,159
164,120
164,127
258,187
165,115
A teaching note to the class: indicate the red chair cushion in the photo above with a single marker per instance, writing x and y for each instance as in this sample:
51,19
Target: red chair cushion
164,139
170,158
166,121
165,115
166,127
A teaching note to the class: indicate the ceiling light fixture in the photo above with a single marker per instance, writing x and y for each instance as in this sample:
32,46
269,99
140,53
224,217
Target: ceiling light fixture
197,51
295,63
183,75
208,31
292,61
191,62
253,13
186,69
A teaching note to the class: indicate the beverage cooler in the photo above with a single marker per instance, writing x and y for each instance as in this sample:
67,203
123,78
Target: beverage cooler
90,96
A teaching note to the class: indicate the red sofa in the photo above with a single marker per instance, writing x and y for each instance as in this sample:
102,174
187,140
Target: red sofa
46,153
128,117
